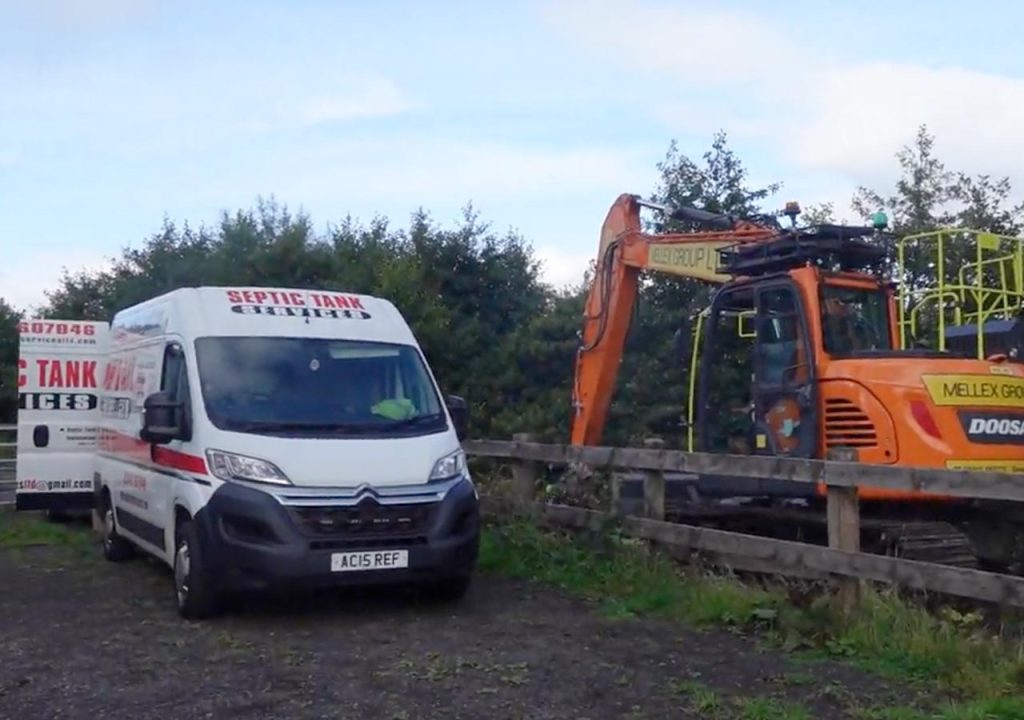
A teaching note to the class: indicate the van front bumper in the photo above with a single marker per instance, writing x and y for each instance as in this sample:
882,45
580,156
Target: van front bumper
254,540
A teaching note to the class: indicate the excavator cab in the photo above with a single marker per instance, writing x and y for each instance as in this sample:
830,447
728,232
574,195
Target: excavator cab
802,313
762,380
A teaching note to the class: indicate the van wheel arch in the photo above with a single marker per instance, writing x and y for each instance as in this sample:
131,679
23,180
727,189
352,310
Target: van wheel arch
115,547
181,516
195,595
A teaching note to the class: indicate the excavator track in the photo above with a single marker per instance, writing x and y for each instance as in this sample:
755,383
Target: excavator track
934,542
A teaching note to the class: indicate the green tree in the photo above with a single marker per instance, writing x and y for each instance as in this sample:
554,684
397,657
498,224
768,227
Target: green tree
9,319
539,379
719,185
652,390
466,291
928,196
919,201
818,214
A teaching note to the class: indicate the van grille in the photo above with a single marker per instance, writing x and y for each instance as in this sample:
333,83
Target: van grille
847,425
367,521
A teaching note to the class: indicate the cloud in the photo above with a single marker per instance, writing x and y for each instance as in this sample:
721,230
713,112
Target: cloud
26,273
560,267
190,89
813,110
347,100
191,110
429,170
369,99
865,112
710,45
89,14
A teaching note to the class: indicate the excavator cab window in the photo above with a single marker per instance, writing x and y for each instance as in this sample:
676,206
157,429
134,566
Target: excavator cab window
778,336
854,319
785,416
725,375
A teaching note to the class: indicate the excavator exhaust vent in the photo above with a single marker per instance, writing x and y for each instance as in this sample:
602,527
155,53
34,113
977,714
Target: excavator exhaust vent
847,425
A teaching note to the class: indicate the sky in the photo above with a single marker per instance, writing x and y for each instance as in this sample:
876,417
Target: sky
115,114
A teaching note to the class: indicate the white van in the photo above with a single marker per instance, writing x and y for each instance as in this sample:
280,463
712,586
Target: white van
59,366
259,437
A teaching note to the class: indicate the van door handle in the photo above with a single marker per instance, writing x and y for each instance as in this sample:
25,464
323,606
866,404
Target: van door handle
40,436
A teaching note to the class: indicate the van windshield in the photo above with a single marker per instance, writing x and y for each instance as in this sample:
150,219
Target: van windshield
317,387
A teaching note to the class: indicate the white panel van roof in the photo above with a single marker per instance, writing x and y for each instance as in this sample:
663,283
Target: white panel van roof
265,311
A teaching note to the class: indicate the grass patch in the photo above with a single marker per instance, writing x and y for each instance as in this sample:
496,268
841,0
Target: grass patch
701,698
976,674
1009,708
770,709
710,704
21,530
953,648
622,578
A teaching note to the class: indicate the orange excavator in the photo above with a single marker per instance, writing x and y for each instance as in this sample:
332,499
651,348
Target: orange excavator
799,353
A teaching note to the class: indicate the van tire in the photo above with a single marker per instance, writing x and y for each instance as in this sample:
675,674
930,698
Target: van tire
57,516
194,596
115,547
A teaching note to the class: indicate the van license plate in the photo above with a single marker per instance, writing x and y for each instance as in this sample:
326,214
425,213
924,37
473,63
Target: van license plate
369,560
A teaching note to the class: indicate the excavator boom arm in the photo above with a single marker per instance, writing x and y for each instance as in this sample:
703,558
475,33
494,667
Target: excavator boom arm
624,252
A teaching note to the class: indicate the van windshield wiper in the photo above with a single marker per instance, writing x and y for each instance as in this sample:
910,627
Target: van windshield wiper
299,427
414,421
340,428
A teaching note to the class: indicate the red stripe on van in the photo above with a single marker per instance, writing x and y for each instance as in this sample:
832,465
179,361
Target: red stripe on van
131,447
179,460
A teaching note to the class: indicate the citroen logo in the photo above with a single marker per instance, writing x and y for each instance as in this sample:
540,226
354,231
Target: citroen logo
365,489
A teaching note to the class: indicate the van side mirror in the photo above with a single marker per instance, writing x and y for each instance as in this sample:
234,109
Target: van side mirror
162,419
460,415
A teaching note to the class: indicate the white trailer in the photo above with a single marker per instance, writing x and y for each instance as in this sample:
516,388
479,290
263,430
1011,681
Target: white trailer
60,365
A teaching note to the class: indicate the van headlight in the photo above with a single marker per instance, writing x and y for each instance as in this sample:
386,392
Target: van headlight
449,466
228,466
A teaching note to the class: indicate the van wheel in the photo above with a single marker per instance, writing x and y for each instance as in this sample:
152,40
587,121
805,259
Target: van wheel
115,547
196,599
57,516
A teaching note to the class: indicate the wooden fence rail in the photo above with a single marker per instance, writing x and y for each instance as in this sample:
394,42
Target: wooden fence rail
7,463
834,473
842,558
8,444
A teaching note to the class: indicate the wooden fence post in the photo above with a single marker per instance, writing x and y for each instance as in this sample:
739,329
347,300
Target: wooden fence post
524,472
614,493
654,485
844,527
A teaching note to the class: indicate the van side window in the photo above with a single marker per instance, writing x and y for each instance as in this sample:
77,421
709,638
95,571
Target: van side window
174,380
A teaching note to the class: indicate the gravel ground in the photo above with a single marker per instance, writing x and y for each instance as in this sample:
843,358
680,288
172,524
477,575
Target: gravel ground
83,638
